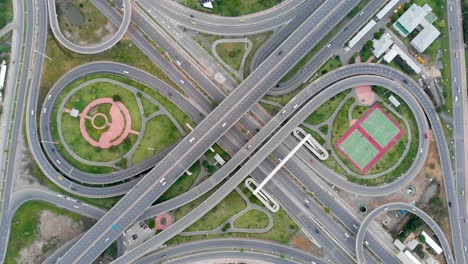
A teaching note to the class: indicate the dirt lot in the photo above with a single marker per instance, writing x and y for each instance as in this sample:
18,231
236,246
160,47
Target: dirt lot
53,231
301,242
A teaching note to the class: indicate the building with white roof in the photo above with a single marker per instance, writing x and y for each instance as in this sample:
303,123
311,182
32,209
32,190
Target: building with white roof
399,245
3,68
361,33
394,51
432,243
381,45
386,9
207,4
394,101
412,257
411,19
412,244
425,38
418,16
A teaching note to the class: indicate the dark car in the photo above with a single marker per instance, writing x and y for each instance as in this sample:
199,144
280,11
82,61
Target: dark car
450,204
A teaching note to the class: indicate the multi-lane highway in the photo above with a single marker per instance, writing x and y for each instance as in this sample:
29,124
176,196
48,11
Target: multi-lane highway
456,54
361,235
274,142
274,135
196,143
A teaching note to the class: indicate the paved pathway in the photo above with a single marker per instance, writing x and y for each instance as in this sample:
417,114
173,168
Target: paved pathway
240,72
328,141
232,219
129,154
6,29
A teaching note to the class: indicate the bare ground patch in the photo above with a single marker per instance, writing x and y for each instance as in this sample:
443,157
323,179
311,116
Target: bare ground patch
52,232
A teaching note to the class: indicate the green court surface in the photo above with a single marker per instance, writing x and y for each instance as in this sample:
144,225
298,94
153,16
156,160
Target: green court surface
379,127
358,149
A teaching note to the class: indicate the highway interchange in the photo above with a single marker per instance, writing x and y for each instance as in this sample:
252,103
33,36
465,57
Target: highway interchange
170,165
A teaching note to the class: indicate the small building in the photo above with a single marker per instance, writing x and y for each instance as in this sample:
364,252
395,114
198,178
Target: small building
394,51
403,258
207,4
74,112
361,33
394,101
219,159
432,243
399,245
425,38
381,45
412,244
3,68
386,9
412,257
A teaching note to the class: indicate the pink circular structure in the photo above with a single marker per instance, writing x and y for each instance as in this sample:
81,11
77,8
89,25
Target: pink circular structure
119,127
93,119
365,95
163,221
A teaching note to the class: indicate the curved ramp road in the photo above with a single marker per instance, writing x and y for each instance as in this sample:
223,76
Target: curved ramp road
228,26
400,206
91,49
265,150
195,144
325,53
117,69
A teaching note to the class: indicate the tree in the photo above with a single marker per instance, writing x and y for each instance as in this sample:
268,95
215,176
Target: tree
422,238
116,98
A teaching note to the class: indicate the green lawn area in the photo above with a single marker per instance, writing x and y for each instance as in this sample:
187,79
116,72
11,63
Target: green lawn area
341,122
24,227
257,41
231,53
284,228
148,107
104,203
326,109
271,109
160,133
124,52
6,12
74,139
70,125
233,7
228,207
182,184
178,114
83,21
392,156
331,64
252,219
91,92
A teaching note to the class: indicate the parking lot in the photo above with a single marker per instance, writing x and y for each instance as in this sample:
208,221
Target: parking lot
137,234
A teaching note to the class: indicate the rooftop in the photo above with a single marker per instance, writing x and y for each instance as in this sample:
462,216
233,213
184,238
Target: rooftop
412,18
425,38
381,45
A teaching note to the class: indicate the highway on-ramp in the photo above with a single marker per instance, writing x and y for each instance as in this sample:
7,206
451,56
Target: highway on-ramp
228,26
273,142
95,48
361,235
194,145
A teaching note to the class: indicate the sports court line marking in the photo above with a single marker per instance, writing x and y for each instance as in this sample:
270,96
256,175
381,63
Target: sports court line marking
381,149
